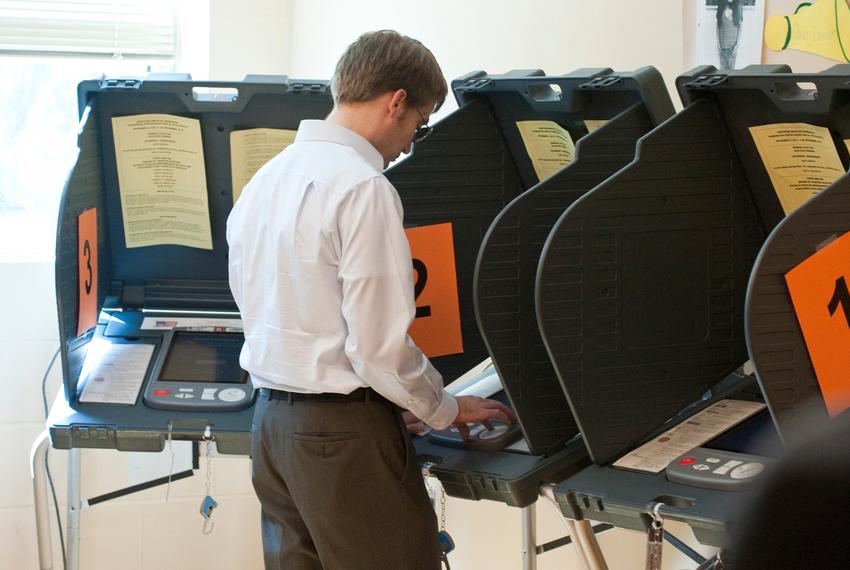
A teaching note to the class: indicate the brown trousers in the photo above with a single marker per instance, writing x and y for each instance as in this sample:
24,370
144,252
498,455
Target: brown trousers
340,488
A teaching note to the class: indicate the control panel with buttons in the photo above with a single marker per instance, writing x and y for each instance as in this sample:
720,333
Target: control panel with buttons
199,371
716,469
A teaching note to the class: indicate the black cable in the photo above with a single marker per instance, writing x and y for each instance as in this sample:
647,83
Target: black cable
46,456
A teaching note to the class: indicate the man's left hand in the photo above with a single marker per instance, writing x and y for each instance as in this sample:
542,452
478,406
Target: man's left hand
415,426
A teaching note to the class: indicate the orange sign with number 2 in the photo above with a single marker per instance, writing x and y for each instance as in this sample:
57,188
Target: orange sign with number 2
820,291
436,329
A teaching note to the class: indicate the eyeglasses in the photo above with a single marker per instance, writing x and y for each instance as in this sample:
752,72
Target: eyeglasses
422,132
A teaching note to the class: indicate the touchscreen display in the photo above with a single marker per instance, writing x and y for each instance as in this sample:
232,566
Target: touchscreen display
204,357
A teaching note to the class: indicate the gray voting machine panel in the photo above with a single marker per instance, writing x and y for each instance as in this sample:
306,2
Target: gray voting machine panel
651,287
165,281
501,285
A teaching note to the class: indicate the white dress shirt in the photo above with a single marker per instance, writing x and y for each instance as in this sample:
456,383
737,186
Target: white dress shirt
320,268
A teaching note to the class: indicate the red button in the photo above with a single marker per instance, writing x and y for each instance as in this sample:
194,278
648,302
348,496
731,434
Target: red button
161,392
687,460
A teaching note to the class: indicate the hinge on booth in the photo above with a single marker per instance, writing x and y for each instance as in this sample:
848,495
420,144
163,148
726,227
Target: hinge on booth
309,88
601,82
706,81
121,83
475,84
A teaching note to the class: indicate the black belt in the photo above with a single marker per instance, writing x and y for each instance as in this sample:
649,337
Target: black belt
359,395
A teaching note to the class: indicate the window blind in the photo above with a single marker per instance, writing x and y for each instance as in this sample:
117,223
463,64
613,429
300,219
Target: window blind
114,28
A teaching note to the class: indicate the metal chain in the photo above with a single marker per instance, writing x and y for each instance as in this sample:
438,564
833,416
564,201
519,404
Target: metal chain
442,507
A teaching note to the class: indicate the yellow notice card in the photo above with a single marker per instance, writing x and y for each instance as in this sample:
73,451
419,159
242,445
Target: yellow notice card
593,124
821,296
550,147
800,159
250,149
162,181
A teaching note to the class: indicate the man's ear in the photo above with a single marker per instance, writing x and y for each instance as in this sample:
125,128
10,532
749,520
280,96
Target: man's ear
396,106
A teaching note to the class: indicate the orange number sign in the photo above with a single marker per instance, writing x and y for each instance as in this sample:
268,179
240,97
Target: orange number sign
819,291
87,275
436,329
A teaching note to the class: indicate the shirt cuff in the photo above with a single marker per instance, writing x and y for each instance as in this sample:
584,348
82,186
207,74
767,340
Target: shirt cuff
445,413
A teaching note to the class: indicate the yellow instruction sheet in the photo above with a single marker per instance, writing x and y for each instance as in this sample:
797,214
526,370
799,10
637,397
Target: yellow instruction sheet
593,124
162,181
550,147
801,160
250,149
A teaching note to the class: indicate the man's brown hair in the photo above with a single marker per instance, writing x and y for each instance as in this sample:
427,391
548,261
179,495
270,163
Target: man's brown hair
384,61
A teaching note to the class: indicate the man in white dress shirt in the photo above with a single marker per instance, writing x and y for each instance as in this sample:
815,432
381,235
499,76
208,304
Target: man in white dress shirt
321,270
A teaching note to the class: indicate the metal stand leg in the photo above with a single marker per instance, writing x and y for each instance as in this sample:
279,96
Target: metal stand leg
74,506
42,510
595,559
577,544
529,537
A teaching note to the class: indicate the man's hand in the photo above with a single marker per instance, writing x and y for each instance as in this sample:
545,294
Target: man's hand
475,409
415,426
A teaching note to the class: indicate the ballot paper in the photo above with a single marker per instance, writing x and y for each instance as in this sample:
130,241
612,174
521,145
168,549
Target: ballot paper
250,149
113,373
656,455
550,147
471,376
162,181
593,124
485,386
801,160
192,323
520,446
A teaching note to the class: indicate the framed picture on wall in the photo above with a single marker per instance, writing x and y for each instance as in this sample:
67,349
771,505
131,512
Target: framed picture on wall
724,33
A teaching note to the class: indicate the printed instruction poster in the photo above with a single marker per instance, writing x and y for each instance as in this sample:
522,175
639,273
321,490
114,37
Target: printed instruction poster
549,145
250,149
162,181
801,160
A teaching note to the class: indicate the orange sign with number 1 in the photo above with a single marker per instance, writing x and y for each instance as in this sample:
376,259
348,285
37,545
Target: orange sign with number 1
820,292
436,329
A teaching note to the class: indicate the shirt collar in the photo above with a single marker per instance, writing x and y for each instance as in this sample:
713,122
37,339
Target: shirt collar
316,130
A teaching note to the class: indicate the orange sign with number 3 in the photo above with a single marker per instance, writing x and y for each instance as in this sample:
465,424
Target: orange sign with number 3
820,292
436,329
87,275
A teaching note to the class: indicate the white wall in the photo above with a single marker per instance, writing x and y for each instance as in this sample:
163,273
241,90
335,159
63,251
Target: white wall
304,38
557,36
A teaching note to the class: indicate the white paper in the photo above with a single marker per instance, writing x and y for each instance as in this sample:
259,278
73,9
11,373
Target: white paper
519,445
656,455
484,387
144,467
113,373
470,376
192,323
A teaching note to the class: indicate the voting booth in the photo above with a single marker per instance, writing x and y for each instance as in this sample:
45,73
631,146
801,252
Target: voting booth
656,288
141,256
501,169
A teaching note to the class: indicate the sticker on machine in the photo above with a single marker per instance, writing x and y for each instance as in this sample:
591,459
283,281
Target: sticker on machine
436,329
820,292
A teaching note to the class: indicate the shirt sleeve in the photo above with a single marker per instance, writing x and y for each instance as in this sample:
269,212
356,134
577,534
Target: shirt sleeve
376,272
